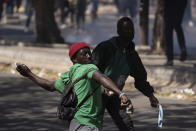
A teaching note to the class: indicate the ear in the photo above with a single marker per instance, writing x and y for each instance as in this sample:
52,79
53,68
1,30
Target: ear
132,35
118,32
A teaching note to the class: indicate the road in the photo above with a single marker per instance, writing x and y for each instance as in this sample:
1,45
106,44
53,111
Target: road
26,107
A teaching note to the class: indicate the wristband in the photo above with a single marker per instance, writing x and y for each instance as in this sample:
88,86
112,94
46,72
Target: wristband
121,94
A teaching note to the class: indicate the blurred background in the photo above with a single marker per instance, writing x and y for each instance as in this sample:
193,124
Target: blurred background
38,33
92,21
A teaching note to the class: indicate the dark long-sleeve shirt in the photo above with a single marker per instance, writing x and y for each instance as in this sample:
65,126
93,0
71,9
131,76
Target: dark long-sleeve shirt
118,64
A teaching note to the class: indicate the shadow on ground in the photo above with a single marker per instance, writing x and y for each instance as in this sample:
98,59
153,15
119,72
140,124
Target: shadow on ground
26,107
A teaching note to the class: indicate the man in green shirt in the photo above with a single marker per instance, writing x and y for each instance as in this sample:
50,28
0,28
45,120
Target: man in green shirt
89,117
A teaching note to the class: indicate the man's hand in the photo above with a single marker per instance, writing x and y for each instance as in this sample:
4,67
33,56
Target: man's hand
108,92
154,101
23,69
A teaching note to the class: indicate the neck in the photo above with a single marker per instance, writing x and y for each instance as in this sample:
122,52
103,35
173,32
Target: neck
123,43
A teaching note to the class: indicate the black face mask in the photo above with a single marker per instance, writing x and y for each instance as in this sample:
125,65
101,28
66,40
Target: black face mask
127,38
126,35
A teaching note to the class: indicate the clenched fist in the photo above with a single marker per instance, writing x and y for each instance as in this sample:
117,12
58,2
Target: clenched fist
23,69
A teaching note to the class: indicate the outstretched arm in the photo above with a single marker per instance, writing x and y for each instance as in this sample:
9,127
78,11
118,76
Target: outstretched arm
26,72
108,83
141,82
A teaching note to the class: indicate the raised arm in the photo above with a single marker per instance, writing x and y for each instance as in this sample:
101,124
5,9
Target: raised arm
44,83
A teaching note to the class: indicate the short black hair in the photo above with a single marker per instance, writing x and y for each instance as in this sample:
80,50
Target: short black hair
122,20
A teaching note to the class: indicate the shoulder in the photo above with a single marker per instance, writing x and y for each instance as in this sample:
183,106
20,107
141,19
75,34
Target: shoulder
105,47
107,43
87,67
83,68
64,75
61,82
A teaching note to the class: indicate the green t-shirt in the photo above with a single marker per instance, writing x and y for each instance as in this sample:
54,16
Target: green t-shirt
90,113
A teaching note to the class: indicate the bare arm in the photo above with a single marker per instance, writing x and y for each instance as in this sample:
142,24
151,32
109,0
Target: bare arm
44,83
109,84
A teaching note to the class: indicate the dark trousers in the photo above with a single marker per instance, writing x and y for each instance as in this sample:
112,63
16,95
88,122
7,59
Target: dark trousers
173,21
10,7
29,16
80,13
122,120
169,39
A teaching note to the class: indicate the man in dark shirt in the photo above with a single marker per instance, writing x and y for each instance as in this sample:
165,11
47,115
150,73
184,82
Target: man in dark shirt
117,58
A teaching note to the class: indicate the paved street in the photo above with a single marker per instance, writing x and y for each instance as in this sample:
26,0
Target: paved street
26,107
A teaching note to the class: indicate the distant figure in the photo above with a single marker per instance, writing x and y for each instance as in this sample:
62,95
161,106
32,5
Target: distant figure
29,12
1,8
71,12
174,11
80,15
63,6
130,5
67,8
9,7
93,9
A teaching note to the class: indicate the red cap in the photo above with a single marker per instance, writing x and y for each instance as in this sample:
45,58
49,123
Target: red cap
76,47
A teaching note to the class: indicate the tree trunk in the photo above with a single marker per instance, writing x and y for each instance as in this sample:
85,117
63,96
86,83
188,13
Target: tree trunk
143,24
46,27
158,39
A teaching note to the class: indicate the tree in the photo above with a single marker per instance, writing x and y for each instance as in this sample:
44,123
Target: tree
143,24
46,27
159,29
